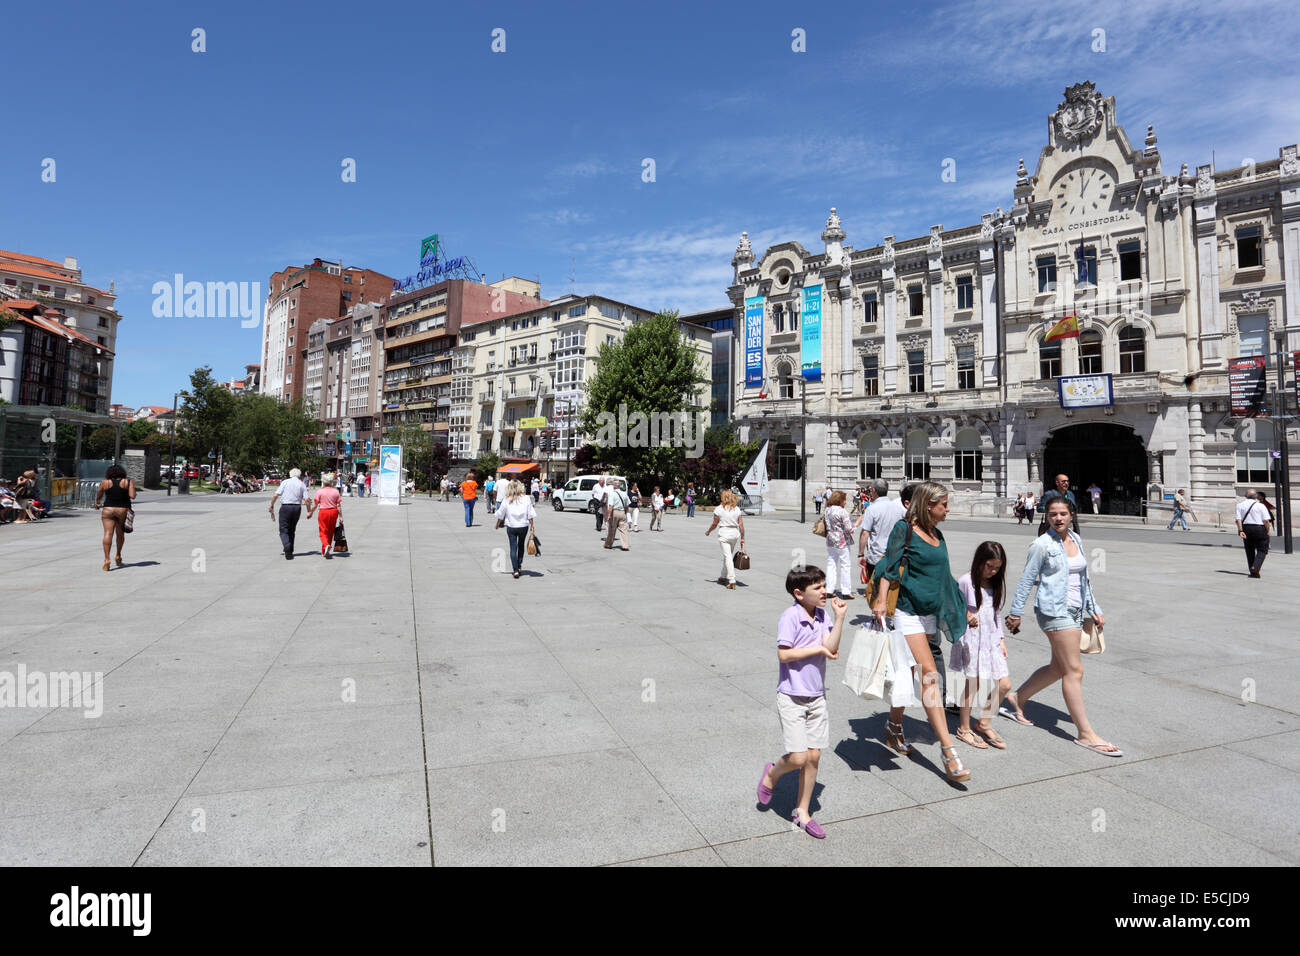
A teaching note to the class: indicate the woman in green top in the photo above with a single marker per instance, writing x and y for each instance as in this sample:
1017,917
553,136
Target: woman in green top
928,599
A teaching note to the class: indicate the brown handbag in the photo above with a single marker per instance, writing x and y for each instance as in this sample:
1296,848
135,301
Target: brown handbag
740,561
895,587
819,527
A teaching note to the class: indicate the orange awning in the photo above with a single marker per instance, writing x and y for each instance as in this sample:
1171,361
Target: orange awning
518,468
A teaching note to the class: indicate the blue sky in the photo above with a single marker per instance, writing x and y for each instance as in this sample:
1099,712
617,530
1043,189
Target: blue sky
225,165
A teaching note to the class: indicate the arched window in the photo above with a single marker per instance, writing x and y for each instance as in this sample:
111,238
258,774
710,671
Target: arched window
784,382
1090,353
1132,350
869,456
778,318
1049,360
916,453
1255,444
968,461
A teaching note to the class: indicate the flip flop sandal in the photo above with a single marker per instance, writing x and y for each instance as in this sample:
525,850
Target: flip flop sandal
992,737
1010,714
1101,749
971,738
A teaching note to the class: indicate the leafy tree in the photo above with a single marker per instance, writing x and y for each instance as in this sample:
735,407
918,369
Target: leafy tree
487,464
101,442
584,460
254,437
294,422
654,371
723,459
141,431
207,412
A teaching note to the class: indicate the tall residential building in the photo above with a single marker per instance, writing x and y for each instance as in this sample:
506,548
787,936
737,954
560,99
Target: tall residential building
420,329
933,351
84,308
534,365
298,296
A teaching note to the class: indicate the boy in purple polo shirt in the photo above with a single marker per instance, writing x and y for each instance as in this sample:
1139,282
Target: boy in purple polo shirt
804,639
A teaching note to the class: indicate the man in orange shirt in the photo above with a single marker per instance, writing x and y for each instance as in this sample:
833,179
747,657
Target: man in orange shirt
469,492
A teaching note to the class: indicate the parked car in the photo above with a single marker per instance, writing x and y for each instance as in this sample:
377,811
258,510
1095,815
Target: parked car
192,472
576,494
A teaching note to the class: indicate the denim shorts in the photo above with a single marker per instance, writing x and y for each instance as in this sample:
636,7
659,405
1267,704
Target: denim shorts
1072,621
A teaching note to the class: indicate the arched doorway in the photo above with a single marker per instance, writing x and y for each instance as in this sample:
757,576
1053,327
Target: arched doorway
1111,455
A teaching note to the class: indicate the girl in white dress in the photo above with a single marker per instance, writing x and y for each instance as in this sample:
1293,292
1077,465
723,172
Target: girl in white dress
981,653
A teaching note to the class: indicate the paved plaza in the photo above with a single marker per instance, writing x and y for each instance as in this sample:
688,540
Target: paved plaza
413,704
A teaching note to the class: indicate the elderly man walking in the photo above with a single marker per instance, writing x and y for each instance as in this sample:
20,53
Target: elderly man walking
616,505
290,494
877,521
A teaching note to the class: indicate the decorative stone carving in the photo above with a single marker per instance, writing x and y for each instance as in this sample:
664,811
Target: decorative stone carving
936,241
887,257
986,227
833,231
915,341
1080,117
1290,161
1252,303
1022,174
744,252
1204,181
965,337
1151,137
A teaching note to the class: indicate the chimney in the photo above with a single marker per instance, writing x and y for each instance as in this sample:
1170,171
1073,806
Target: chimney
70,263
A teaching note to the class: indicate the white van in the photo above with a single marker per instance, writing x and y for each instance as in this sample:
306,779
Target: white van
576,494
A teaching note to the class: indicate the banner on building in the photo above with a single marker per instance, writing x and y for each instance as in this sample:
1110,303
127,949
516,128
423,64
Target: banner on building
1248,386
1085,391
1295,369
536,421
811,352
390,474
754,342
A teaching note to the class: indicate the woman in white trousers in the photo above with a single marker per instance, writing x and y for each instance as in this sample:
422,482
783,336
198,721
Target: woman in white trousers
839,535
731,536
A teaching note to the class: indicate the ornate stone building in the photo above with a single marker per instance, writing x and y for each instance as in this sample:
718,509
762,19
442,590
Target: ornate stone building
1169,275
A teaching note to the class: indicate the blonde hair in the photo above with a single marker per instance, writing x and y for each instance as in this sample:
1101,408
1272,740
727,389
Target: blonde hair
330,482
925,495
729,499
515,489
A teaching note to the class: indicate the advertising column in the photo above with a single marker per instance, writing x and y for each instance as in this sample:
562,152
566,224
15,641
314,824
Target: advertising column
390,474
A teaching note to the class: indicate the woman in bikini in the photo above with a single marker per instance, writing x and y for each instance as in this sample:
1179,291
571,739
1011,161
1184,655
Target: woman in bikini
115,494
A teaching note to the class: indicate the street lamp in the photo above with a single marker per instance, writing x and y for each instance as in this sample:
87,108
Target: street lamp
803,450
171,475
1282,489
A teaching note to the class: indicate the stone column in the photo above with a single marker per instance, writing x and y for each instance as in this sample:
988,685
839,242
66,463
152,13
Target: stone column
986,305
1034,479
938,347
889,304
1207,263
1289,172
1196,450
1156,468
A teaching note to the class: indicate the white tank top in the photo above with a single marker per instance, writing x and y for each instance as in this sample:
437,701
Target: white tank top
1075,596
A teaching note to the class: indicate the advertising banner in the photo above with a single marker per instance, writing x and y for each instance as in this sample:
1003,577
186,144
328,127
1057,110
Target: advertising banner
1246,382
811,351
754,342
538,421
390,474
1085,391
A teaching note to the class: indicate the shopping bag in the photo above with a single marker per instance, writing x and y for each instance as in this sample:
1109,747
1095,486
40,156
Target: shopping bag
902,683
864,672
129,524
340,540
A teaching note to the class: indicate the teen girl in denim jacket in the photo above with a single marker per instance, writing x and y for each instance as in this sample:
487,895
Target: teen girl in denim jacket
1057,565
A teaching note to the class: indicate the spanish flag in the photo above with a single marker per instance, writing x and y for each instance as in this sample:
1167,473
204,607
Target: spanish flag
1067,328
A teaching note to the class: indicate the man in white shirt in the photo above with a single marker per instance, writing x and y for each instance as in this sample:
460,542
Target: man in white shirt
290,495
1253,519
616,505
598,496
877,522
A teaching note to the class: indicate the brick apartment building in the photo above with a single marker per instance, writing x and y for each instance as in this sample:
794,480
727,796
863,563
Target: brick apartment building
297,297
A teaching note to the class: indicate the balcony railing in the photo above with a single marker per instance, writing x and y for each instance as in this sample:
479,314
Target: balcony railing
486,398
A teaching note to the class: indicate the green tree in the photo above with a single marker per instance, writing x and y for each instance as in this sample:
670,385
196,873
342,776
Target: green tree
653,370
294,422
255,438
487,464
207,413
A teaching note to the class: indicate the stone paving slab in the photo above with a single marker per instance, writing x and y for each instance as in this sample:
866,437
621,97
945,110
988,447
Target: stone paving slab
615,707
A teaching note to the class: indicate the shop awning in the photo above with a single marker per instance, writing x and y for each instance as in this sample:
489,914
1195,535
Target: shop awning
519,468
